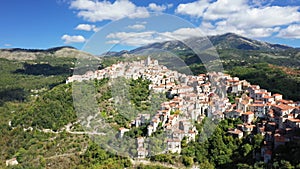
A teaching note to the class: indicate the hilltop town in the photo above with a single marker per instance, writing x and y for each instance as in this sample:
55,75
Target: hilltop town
192,98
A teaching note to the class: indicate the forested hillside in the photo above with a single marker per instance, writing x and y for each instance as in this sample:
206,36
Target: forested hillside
34,97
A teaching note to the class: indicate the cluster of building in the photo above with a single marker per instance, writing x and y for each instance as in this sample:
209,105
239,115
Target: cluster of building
263,113
194,97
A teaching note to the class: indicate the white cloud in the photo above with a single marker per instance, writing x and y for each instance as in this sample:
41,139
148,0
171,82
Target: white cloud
132,38
157,8
73,39
137,27
113,42
265,17
261,32
222,27
7,45
147,37
224,9
195,9
87,27
207,25
94,10
83,4
292,31
182,33
142,22
245,17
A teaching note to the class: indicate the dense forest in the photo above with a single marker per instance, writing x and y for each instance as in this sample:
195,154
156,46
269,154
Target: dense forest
34,94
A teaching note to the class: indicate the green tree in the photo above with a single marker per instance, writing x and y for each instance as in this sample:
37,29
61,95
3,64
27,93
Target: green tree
184,142
218,149
243,166
246,149
257,140
259,165
206,164
282,164
187,161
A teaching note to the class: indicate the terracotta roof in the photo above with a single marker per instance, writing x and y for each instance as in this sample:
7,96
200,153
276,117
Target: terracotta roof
154,120
231,80
249,126
235,131
172,104
259,92
267,97
257,105
283,107
286,101
294,120
122,128
192,132
248,113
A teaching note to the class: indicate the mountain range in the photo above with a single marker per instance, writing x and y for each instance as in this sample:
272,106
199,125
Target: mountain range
229,46
224,41
32,54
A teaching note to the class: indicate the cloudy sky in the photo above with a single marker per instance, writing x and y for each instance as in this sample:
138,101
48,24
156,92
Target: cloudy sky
50,23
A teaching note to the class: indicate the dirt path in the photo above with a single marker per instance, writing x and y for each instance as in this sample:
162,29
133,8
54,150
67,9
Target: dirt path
68,130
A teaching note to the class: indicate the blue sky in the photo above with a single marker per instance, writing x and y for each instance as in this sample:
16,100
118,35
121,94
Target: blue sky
51,23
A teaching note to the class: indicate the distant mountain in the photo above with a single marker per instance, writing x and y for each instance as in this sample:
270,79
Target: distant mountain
229,46
234,41
220,42
32,54
51,50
